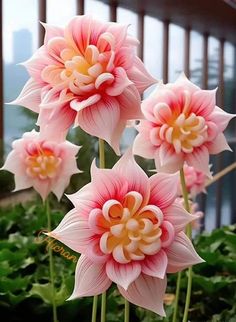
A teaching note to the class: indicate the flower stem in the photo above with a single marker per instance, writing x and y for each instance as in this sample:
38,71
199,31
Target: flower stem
51,264
95,306
102,166
103,307
126,311
189,234
178,283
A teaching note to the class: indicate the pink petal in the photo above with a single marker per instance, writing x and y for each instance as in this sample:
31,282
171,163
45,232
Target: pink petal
43,188
167,160
168,234
218,145
203,102
51,32
163,189
101,119
80,105
139,76
178,216
94,253
30,96
130,104
184,83
142,146
199,159
123,274
108,184
90,279
73,231
121,82
181,254
147,292
119,32
134,174
155,265
220,118
124,58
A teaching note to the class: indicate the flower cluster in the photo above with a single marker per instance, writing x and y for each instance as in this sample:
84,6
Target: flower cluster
129,228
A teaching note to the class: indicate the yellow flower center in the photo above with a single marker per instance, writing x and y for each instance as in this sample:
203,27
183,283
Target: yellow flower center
41,162
132,230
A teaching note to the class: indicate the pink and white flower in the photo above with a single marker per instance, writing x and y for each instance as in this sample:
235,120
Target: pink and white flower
183,124
195,181
87,74
41,163
130,231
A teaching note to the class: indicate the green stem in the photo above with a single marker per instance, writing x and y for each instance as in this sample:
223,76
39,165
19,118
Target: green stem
51,265
95,306
102,166
178,283
189,234
126,311
103,307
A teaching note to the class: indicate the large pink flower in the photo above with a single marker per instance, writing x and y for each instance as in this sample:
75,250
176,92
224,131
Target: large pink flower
89,74
182,123
130,231
41,163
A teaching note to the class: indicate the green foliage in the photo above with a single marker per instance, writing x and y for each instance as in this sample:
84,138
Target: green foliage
26,294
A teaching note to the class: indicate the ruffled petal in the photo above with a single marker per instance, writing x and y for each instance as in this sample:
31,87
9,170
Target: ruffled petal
90,279
121,82
123,274
73,231
220,118
147,292
166,160
155,265
80,105
181,254
30,96
163,189
130,104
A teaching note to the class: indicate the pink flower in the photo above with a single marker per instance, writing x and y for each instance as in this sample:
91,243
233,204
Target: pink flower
41,163
89,74
195,181
130,231
183,124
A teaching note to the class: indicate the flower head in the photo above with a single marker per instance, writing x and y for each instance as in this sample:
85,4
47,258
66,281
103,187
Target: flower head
183,124
130,231
87,74
44,164
195,181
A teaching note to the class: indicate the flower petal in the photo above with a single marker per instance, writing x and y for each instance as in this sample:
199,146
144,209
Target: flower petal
166,159
199,159
147,292
142,146
101,119
90,279
140,76
181,254
80,105
130,104
51,32
218,145
120,83
203,102
155,265
163,189
73,231
30,96
134,174
220,118
123,274
178,216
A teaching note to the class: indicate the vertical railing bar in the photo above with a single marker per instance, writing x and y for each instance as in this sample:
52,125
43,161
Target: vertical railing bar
165,57
42,7
80,7
1,90
203,197
141,34
187,32
219,160
113,10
